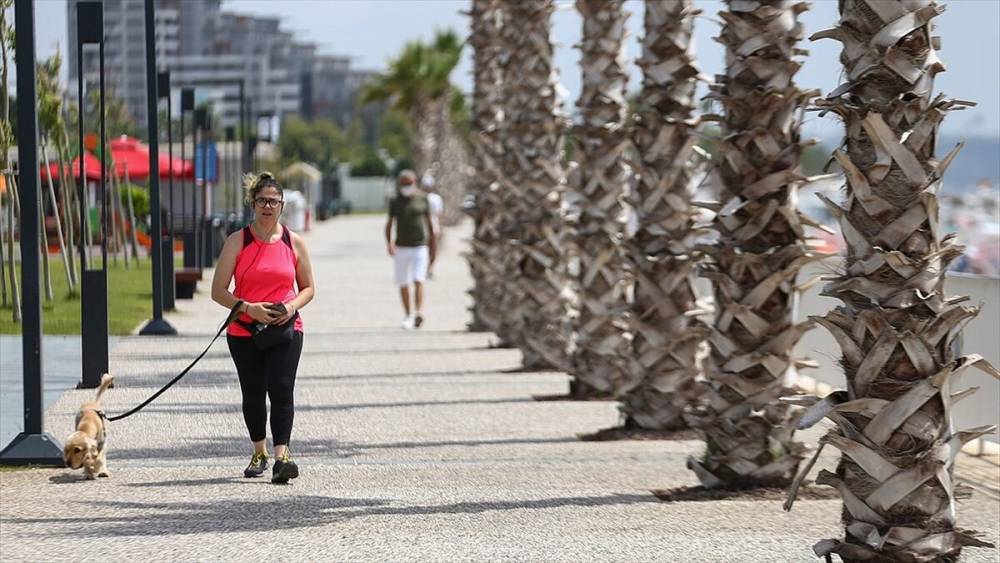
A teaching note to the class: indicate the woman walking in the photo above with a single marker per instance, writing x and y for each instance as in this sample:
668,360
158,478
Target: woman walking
267,262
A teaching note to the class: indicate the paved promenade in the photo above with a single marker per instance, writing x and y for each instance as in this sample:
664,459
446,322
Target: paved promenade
417,445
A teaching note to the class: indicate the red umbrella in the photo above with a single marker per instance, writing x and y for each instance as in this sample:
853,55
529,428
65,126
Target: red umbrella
93,165
129,153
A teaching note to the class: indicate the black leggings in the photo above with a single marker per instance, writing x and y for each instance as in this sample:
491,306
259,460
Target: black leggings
266,373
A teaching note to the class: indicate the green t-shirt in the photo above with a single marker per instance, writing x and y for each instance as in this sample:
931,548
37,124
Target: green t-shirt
411,219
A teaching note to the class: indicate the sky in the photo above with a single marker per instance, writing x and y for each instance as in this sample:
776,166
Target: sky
371,31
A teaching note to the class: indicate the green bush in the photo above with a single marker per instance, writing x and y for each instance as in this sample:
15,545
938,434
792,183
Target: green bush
401,164
140,200
370,165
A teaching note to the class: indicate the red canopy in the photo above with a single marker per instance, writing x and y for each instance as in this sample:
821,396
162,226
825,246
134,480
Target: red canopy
128,153
91,163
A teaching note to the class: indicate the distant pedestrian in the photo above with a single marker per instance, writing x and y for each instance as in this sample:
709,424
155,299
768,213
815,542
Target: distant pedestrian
267,261
414,247
429,186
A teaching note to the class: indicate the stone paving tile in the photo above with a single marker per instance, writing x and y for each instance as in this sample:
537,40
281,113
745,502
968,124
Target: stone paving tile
414,446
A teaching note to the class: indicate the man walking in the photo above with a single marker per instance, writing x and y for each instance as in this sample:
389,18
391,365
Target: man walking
415,245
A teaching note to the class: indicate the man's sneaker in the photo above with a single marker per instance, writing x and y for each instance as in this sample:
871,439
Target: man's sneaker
408,323
418,319
284,469
258,464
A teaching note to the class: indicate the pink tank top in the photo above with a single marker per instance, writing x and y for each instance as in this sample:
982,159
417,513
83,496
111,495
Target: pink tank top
265,272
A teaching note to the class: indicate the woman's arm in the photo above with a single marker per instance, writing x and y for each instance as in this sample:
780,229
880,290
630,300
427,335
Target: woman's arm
303,278
224,269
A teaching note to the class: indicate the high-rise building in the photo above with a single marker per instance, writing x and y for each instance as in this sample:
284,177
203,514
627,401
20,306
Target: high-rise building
211,50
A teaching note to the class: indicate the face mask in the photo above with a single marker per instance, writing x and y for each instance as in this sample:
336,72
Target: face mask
408,191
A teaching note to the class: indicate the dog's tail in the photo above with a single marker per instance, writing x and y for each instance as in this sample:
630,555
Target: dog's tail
106,381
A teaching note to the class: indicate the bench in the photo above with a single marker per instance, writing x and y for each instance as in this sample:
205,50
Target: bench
186,280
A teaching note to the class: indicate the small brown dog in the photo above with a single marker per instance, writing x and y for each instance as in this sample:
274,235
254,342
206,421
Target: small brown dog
85,447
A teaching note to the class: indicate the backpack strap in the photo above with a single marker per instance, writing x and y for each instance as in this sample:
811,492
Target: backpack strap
247,236
286,237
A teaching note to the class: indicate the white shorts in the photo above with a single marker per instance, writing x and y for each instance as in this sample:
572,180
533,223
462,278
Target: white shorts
411,264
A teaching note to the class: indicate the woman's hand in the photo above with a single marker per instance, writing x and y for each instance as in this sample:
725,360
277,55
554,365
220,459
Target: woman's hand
289,311
260,313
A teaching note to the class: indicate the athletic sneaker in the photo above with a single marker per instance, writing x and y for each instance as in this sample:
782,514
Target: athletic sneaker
284,469
258,464
408,323
418,319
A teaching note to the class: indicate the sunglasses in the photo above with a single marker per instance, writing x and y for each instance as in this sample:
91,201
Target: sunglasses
263,202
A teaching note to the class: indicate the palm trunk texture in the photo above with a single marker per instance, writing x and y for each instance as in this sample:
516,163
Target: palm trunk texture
761,247
660,383
897,328
538,303
598,187
487,113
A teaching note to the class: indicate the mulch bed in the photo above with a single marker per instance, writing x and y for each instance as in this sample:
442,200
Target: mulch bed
622,433
700,494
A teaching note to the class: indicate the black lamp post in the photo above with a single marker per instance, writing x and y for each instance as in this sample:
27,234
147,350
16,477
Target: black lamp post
158,325
231,177
32,446
198,119
94,282
169,281
207,222
187,104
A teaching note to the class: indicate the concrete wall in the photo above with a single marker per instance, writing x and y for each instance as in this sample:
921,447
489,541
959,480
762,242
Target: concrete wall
981,336
365,193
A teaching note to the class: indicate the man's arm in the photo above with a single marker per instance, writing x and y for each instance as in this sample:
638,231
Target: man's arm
388,235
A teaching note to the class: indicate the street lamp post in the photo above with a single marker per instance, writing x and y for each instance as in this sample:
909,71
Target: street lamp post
169,280
94,282
32,446
187,104
158,325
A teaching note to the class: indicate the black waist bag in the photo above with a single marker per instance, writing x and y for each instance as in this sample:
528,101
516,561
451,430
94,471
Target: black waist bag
267,336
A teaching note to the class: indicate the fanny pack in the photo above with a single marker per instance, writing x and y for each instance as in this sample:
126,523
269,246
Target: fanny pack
267,336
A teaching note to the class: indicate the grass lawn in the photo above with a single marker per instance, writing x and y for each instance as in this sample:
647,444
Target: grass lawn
130,299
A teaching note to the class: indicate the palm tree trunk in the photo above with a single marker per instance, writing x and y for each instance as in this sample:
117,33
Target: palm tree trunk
599,186
660,386
539,303
451,160
487,114
897,328
761,247
422,145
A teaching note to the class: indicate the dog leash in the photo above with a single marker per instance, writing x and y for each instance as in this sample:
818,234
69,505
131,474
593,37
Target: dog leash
233,314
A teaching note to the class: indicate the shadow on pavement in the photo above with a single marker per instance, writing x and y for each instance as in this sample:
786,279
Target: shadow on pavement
180,518
203,408
230,447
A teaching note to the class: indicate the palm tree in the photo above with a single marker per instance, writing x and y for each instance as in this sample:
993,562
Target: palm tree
597,190
487,114
660,384
418,83
537,303
897,328
760,249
